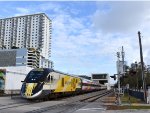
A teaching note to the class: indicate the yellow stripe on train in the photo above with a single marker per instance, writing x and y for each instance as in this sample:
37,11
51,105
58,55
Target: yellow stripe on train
29,88
67,83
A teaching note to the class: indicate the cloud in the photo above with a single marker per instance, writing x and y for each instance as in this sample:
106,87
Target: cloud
37,7
80,48
125,19
76,44
121,16
22,11
52,7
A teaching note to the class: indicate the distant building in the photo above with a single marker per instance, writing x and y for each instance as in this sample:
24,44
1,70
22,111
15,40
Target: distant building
28,31
45,63
84,76
101,78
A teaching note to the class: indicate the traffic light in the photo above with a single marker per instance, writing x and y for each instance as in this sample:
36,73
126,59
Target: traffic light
114,76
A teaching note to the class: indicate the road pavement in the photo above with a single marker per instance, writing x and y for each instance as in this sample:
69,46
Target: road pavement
66,105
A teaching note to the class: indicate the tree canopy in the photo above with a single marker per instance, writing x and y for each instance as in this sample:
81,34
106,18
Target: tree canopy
134,76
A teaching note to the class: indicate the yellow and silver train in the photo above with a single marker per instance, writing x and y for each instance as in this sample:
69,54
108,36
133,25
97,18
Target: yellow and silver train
44,82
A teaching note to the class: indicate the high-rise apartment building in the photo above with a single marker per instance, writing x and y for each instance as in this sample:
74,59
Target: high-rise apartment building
29,31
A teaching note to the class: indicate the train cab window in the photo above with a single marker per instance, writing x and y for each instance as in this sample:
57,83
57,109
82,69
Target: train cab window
48,78
35,76
62,82
52,78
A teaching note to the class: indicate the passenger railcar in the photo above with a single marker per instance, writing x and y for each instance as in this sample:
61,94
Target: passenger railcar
44,82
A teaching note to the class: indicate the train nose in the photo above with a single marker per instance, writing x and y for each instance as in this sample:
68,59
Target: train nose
31,90
27,89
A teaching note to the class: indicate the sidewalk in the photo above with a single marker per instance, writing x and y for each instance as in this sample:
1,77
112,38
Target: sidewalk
109,102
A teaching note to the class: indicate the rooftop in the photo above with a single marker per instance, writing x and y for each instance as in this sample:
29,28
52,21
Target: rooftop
27,15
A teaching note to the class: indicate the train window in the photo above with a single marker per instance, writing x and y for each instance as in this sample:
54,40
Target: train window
48,78
62,82
35,76
52,78
71,82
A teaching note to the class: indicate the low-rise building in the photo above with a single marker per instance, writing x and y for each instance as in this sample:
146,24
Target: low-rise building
101,78
11,77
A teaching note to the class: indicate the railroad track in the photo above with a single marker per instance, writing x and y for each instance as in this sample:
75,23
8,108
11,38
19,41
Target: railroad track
70,106
22,103
96,97
13,105
59,108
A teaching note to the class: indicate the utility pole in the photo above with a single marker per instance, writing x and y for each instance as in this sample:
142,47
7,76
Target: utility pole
137,80
123,55
118,56
142,66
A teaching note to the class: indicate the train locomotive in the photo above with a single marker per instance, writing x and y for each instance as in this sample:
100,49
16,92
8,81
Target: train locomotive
44,82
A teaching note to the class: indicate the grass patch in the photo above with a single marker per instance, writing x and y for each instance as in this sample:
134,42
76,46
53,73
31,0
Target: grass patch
134,103
125,99
115,107
139,107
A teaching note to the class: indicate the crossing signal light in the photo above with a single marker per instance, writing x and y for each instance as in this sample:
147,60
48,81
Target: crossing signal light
113,77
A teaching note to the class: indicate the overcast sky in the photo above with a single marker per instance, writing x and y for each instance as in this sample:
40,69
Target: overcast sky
87,35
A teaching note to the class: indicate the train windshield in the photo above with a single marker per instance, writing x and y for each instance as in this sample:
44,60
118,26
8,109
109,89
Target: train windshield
35,76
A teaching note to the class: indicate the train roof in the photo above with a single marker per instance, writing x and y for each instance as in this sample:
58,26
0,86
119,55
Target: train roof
52,70
72,75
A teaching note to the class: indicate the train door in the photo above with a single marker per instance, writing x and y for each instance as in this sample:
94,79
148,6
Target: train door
47,85
50,79
54,78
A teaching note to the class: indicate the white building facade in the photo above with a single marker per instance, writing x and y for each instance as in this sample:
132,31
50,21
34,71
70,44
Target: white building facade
13,75
29,31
